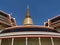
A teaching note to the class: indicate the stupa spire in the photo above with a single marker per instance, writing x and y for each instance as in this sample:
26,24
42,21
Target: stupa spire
28,19
28,11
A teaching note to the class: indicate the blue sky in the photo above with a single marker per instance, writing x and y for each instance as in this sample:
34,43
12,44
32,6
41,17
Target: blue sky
40,10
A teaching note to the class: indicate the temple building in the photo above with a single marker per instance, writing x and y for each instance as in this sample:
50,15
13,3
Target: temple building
28,33
6,20
54,23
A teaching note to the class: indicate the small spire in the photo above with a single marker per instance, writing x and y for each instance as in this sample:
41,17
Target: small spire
28,19
28,11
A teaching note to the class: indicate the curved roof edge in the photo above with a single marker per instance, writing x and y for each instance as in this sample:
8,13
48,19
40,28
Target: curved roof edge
29,26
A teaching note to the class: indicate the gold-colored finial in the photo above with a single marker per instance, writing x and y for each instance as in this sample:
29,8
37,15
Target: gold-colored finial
28,19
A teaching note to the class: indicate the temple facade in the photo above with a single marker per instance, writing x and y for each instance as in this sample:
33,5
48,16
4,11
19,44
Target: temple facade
28,33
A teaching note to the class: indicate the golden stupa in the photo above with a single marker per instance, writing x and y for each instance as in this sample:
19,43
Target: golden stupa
28,19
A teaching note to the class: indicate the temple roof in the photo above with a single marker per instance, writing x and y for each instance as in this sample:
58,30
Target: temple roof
28,28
